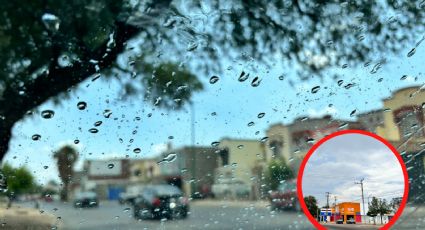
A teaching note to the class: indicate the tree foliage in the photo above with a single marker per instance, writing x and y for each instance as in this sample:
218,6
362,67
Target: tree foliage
19,180
311,203
49,46
66,157
278,172
378,207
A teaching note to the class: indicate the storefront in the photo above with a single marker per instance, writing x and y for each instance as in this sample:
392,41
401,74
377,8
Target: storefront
348,210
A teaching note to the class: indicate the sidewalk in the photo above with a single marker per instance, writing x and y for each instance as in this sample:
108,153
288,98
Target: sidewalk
25,218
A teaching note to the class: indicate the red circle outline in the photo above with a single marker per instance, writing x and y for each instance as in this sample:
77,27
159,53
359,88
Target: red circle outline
339,133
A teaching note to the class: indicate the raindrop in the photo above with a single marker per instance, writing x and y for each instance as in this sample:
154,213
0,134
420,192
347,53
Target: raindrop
149,114
192,46
234,165
403,77
93,130
411,52
264,139
340,82
168,159
45,167
240,146
137,150
349,85
376,68
107,113
110,166
97,123
255,82
243,77
50,21
281,77
170,137
251,124
215,143
261,115
344,66
47,114
76,141
352,113
214,79
423,105
126,209
36,137
310,140
81,105
315,89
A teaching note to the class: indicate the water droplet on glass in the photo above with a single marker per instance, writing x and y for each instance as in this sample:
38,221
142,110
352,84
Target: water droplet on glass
214,79
240,146
126,210
81,105
76,141
170,137
352,113
344,66
264,139
349,85
97,123
255,82
36,137
45,167
281,77
110,166
47,114
137,150
261,115
340,82
315,89
310,140
192,46
50,21
251,124
168,159
215,143
107,113
243,77
411,52
93,130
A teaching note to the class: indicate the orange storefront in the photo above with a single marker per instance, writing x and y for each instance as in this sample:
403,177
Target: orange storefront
347,210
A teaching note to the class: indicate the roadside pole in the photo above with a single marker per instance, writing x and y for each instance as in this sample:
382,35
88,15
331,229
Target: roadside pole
361,185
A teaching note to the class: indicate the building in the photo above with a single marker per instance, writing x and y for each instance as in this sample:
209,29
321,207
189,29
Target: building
144,170
371,120
192,169
403,127
241,161
108,178
292,141
348,210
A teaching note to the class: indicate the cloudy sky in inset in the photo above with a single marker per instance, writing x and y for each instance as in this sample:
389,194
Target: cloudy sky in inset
343,160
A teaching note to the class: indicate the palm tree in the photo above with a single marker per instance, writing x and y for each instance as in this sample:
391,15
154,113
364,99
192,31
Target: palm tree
65,157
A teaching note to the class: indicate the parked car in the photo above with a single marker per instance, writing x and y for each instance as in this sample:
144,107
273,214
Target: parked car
351,221
86,200
161,201
340,221
127,198
285,197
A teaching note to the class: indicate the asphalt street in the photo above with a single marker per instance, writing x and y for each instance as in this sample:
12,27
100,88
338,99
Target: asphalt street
203,215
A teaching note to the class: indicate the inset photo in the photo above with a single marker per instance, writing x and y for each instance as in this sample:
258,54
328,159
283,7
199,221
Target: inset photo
352,178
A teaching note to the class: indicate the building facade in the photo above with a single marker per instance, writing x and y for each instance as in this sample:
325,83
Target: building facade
348,210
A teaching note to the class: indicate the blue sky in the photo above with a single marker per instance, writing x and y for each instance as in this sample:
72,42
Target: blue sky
343,160
235,103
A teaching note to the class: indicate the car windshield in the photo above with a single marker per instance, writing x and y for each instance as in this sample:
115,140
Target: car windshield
216,102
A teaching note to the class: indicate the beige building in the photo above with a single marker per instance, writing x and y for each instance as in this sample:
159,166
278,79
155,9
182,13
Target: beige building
238,159
291,142
144,170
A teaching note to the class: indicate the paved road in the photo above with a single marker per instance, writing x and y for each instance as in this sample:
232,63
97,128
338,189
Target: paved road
204,215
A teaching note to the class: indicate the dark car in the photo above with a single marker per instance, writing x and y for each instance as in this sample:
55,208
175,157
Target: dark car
161,201
351,221
285,197
340,221
86,200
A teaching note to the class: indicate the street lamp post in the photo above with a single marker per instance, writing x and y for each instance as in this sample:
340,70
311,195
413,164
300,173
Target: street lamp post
192,149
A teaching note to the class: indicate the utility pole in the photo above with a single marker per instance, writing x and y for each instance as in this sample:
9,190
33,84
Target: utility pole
193,153
335,209
327,199
361,185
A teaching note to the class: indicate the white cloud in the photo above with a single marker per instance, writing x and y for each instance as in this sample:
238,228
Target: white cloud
320,113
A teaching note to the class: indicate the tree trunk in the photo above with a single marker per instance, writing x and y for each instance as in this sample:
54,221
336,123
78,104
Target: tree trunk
64,192
5,135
